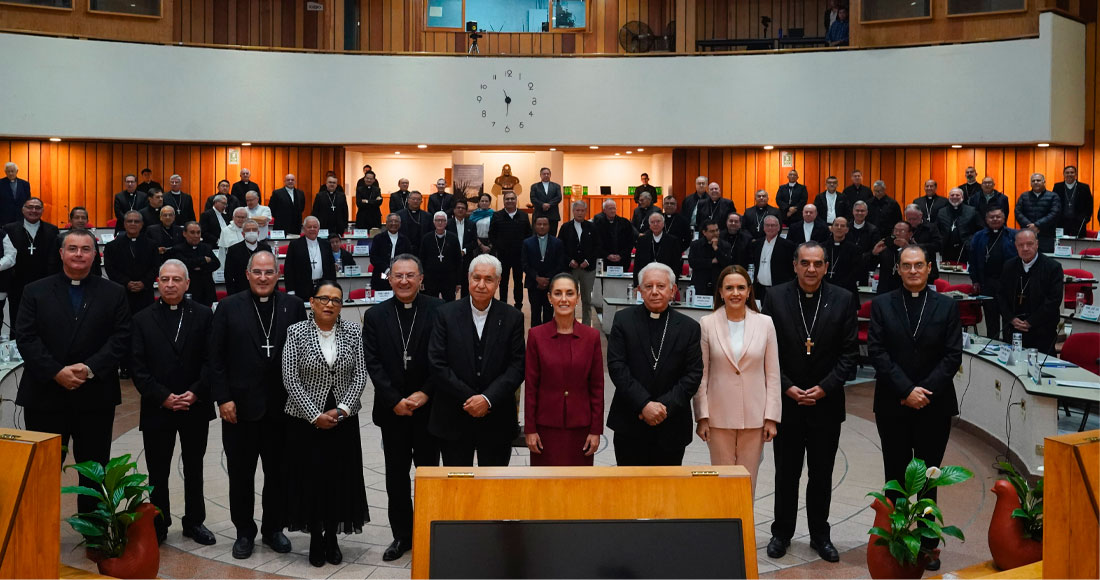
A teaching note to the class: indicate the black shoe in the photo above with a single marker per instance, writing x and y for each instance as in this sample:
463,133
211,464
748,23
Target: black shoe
332,551
933,565
317,550
123,374
777,547
825,549
242,548
277,542
396,550
200,534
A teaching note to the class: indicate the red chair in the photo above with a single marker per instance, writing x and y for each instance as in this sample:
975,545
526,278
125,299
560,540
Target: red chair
630,268
357,293
1090,252
970,313
370,268
282,250
112,222
221,294
941,285
1073,288
864,326
1081,349
686,270
1090,234
282,268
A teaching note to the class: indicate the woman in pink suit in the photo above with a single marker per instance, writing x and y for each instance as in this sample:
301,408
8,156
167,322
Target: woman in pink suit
563,396
738,402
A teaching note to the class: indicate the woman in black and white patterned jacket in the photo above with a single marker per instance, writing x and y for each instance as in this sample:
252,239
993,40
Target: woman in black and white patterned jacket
324,375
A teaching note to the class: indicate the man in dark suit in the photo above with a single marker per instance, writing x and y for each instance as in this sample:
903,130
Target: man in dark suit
615,236
442,260
201,263
151,212
244,186
1031,294
971,186
790,198
476,353
287,204
507,230
213,220
35,241
1077,203
166,233
330,207
13,194
675,223
656,246
72,330
546,197
231,202
147,184
988,197
739,240
915,345
887,253
441,200
707,257
237,256
818,352
396,333
927,235
640,220
368,201
582,248
990,249
831,203
653,357
246,346
754,216
931,203
399,199
182,202
715,208
772,259
415,222
384,247
129,199
465,232
808,228
308,260
882,211
543,257
691,200
170,342
857,191
957,222
1040,211
843,261
864,235
131,260
645,187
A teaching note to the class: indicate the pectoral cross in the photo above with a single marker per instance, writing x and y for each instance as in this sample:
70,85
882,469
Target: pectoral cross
31,248
405,358
312,263
1020,298
267,347
809,345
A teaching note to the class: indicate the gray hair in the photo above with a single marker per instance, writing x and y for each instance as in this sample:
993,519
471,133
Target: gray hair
220,197
439,214
860,202
580,203
487,260
134,211
954,189
770,217
10,165
913,207
257,253
175,176
878,184
254,225
608,201
240,210
176,263
645,195
311,218
407,257
391,215
658,267
659,216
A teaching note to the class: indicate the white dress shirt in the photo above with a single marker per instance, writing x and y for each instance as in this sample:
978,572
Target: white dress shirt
264,212
460,231
393,243
480,317
1028,265
314,249
737,337
807,230
764,276
7,261
32,229
830,203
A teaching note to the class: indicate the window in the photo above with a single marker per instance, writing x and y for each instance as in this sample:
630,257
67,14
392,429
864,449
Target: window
873,10
509,15
963,7
131,7
66,4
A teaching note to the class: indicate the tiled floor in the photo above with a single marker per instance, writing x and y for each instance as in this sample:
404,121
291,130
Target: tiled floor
858,470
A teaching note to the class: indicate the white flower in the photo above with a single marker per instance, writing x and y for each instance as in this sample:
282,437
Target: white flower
927,510
933,473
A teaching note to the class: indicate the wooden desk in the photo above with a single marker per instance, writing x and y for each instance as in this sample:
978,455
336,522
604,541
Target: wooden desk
580,493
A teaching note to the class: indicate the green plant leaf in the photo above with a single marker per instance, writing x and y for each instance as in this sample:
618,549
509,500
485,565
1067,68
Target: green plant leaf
912,543
900,553
132,480
954,532
950,475
915,477
89,469
932,525
926,532
898,521
82,490
877,531
879,497
893,485
85,528
115,473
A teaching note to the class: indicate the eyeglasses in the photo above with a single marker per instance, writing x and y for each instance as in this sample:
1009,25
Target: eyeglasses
262,272
326,300
917,267
404,276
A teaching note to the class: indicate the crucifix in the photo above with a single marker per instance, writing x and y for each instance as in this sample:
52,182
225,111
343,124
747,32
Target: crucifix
31,248
405,358
312,263
809,345
267,347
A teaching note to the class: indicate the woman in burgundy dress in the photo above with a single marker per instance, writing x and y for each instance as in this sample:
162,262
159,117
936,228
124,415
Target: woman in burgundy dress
563,396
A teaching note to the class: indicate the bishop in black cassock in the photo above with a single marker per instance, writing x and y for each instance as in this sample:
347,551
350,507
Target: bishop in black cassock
35,241
1031,294
442,259
330,206
201,264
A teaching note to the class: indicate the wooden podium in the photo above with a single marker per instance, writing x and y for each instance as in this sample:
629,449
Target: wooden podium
454,494
30,504
1071,519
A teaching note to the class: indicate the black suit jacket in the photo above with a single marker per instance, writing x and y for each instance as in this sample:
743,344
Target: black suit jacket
551,194
782,263
298,273
1043,304
458,375
704,269
930,206
331,209
534,265
580,250
240,371
287,214
796,233
202,287
51,336
615,237
716,211
740,246
414,228
673,383
901,361
833,358
469,241
842,207
28,268
676,225
240,189
668,253
506,234
445,274
162,237
398,200
846,268
124,203
123,267
11,208
163,367
1076,210
787,197
444,202
380,256
861,193
185,206
368,205
382,352
236,262
212,223
753,220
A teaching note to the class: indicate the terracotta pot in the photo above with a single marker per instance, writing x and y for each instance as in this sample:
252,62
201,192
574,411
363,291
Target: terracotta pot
880,563
141,557
1007,543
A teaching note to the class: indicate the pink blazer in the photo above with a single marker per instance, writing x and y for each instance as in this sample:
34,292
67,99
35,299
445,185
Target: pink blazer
739,393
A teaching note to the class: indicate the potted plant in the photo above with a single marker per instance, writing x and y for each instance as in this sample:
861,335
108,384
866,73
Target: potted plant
895,548
1016,528
119,534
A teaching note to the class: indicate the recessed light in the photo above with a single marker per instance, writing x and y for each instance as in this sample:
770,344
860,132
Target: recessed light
769,147
397,153
640,150
629,152
421,146
617,154
246,144
956,146
55,139
593,146
553,149
1044,145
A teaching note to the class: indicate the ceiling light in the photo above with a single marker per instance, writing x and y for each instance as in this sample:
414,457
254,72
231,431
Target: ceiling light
421,146
553,149
617,154
397,153
246,144
1044,145
640,150
55,139
593,146
629,152
956,146
769,147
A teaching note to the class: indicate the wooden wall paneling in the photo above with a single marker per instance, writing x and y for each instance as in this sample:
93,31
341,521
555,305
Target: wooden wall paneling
105,184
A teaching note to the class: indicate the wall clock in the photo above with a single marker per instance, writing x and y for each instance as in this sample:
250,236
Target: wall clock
507,102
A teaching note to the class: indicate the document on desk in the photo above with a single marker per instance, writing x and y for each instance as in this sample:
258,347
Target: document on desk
1081,384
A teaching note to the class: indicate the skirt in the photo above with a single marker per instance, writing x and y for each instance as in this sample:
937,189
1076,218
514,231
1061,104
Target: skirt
561,447
325,489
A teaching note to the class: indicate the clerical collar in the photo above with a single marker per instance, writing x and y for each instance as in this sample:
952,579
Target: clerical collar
827,192
808,295
657,237
28,224
837,242
251,246
408,305
1071,185
439,235
511,213
955,205
656,315
858,226
995,231
392,235
911,294
74,282
1028,265
542,237
173,307
261,299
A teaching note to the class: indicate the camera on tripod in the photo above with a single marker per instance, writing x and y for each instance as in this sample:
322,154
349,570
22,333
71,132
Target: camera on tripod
471,28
